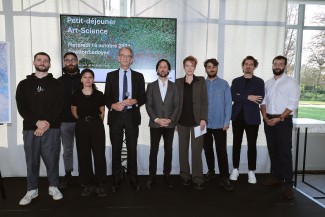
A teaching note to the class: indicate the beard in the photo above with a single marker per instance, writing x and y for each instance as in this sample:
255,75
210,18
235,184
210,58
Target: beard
278,71
163,75
71,69
212,75
45,69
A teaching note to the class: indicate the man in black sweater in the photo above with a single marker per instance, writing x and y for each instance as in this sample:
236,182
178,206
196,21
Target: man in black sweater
39,100
71,81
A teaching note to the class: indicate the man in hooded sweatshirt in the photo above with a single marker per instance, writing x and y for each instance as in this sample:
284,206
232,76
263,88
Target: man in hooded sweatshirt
40,100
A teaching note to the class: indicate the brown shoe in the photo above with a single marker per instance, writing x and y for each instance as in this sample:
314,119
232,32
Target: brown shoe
289,193
273,181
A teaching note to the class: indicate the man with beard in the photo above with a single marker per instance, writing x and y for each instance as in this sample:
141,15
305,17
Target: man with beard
162,107
247,93
281,101
219,113
40,101
71,80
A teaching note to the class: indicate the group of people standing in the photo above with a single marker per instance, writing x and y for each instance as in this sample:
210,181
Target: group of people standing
190,103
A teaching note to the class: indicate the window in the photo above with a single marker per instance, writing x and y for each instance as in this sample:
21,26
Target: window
305,49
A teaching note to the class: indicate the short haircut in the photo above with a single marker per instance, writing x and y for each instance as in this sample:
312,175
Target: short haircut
212,60
42,54
163,60
70,53
127,48
281,58
192,59
250,58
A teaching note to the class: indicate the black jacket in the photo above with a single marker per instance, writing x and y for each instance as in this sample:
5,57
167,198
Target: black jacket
40,99
71,83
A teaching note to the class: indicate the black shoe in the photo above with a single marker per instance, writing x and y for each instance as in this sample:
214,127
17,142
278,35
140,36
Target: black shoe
210,176
225,183
289,193
101,191
66,181
198,186
186,182
168,180
135,185
115,186
87,191
150,182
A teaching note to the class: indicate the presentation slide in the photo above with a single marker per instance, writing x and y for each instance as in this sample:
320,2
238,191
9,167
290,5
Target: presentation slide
97,39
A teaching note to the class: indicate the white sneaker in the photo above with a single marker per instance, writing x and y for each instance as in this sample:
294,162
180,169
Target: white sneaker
30,195
55,193
251,177
234,175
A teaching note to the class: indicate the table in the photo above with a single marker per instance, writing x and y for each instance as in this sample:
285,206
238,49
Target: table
305,123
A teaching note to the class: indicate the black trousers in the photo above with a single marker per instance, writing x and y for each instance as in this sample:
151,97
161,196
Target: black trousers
238,128
124,123
220,138
279,144
155,136
90,141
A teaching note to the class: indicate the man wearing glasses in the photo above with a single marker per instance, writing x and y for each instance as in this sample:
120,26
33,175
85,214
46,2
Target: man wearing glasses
71,80
124,95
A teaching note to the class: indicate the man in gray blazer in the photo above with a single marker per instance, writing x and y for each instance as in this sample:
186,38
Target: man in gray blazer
162,107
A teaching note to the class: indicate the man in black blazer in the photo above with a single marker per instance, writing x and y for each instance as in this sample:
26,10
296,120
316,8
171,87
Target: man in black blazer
124,95
247,94
162,108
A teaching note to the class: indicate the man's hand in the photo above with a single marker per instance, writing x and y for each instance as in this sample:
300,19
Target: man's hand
272,122
38,132
163,122
225,127
254,98
118,106
43,125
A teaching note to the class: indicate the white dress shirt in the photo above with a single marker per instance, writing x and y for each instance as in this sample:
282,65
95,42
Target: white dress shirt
281,94
163,89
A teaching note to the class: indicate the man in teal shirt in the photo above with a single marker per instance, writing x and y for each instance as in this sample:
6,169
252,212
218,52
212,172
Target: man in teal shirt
219,114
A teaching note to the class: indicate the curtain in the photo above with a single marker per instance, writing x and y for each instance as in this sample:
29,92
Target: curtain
228,30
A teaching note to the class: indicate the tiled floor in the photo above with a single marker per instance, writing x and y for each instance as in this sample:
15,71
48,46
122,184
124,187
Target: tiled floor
316,180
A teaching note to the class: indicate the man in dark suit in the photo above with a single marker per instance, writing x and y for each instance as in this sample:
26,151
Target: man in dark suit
124,94
247,94
162,107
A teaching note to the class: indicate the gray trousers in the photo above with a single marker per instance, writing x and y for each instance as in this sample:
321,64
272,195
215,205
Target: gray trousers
184,135
46,146
67,136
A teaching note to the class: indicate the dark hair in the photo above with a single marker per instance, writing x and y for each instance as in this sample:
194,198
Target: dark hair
192,59
281,58
163,60
212,60
43,54
70,53
250,58
87,70
92,73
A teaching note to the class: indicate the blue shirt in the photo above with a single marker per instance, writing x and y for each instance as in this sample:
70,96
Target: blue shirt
219,103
